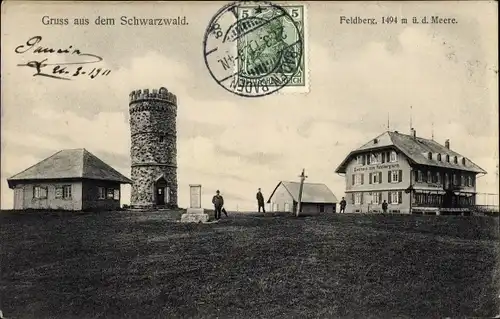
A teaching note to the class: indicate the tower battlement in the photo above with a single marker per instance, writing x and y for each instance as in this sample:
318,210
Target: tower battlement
162,95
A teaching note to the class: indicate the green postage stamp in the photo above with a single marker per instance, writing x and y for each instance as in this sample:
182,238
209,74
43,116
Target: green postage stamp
275,35
255,49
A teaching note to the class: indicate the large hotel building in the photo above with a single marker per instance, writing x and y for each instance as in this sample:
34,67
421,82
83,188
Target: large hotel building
412,174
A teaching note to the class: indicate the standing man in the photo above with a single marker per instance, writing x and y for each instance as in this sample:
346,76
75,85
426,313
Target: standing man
384,206
260,201
343,204
218,202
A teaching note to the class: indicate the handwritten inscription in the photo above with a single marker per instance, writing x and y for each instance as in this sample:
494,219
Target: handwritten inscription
60,70
376,167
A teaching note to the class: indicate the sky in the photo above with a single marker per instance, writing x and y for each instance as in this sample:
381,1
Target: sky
359,76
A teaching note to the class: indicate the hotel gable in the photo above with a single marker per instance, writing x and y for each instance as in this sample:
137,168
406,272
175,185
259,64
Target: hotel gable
412,174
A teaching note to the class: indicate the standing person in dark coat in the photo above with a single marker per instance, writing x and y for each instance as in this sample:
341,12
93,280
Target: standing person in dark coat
343,204
384,206
218,202
260,201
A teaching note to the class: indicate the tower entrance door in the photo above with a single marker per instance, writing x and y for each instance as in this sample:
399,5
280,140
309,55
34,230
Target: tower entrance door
161,192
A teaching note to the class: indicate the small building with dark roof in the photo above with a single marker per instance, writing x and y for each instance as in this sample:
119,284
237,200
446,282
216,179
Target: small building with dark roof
316,198
72,179
412,174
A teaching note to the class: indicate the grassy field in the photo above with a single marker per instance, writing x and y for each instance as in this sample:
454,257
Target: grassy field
144,265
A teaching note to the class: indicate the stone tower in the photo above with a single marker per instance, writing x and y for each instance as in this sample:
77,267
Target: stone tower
153,149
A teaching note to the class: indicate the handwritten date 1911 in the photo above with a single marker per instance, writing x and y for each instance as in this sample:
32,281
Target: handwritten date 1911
61,70
80,71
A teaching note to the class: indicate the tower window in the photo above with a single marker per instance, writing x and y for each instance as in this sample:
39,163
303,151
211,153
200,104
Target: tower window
162,138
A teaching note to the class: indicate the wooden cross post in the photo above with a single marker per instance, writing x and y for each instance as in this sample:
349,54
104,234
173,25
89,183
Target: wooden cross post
299,203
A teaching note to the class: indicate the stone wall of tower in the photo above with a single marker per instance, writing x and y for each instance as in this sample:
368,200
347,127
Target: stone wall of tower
153,144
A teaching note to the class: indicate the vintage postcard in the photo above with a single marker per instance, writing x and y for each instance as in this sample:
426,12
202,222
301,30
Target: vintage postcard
249,159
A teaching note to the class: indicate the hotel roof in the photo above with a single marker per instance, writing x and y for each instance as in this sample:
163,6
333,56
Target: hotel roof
311,192
70,163
417,150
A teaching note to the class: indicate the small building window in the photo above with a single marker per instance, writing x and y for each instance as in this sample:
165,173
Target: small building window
110,193
447,158
40,192
116,194
429,155
59,192
439,157
321,208
101,193
67,192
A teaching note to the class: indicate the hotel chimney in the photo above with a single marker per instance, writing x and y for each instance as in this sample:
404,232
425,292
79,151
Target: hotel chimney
413,133
447,144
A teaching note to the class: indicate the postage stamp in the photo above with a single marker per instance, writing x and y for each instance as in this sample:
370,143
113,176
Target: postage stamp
254,49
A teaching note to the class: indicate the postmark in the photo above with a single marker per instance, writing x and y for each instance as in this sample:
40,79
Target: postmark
254,49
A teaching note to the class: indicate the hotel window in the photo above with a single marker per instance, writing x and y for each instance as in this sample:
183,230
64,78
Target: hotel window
455,179
67,191
395,197
394,157
447,158
395,176
375,158
101,193
438,177
462,180
110,193
439,157
358,198
455,160
429,177
463,161
368,158
420,176
469,181
359,159
358,179
40,192
376,198
429,155
375,178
